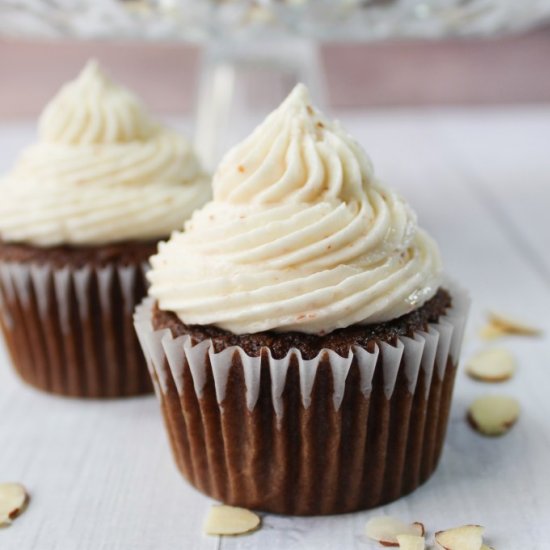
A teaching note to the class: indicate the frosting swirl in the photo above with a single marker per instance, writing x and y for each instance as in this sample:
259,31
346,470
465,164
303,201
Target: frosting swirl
299,237
102,171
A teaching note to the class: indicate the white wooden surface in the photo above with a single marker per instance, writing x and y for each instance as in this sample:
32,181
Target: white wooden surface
100,473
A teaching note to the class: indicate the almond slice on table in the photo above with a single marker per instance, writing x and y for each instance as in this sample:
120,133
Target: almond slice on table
492,365
491,332
13,499
411,542
230,520
493,414
508,325
466,537
385,529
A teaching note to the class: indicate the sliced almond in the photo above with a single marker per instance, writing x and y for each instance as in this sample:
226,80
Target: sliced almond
492,365
493,414
385,530
466,537
491,332
509,325
411,542
230,520
13,499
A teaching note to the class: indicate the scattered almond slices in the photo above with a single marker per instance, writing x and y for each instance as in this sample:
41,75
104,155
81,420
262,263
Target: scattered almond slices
230,520
411,542
385,530
501,325
512,326
13,499
466,537
492,365
493,414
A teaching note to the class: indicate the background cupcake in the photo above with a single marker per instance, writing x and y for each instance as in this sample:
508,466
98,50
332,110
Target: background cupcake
80,214
299,334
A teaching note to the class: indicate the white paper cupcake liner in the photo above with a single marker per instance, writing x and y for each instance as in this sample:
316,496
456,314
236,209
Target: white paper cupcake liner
428,350
307,436
69,330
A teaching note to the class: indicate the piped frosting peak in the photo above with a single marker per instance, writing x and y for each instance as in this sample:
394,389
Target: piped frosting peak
299,236
102,171
295,155
93,109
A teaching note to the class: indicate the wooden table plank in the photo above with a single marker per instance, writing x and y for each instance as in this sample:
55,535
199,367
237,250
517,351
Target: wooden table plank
504,154
100,475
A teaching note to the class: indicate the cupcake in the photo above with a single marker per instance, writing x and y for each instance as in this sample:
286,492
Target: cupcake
300,334
81,212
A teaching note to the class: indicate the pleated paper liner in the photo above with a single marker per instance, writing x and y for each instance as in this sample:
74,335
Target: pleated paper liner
307,437
69,330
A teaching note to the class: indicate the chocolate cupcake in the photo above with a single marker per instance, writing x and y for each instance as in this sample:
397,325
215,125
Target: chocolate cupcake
81,212
300,334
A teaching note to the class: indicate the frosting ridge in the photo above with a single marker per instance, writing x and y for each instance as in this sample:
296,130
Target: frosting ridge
102,171
296,155
92,109
300,236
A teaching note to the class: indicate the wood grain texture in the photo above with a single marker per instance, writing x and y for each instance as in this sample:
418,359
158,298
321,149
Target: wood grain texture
100,473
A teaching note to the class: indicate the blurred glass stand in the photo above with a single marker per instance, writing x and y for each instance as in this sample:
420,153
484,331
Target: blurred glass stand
240,82
199,20
256,50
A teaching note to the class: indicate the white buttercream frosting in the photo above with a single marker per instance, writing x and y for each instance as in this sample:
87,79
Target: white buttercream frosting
102,171
300,236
